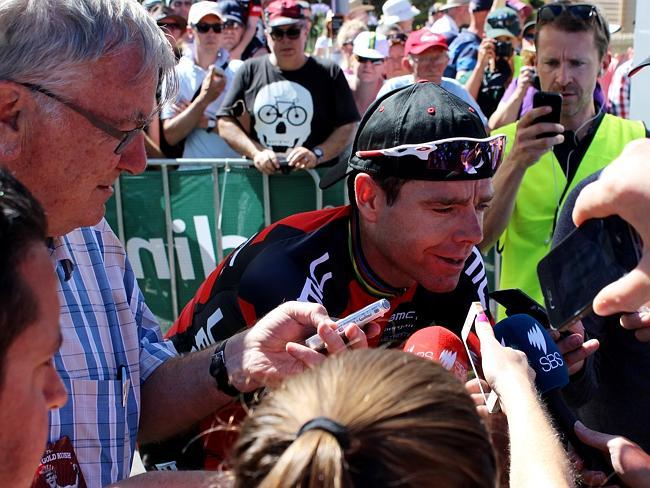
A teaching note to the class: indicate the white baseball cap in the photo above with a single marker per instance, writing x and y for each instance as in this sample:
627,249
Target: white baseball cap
201,9
370,45
397,11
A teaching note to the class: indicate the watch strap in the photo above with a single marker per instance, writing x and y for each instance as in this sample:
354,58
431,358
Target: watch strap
219,372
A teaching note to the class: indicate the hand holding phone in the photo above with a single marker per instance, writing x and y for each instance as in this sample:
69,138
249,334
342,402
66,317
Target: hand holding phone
548,99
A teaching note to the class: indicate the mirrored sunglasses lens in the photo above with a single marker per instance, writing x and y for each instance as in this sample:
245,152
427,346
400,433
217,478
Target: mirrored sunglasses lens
468,157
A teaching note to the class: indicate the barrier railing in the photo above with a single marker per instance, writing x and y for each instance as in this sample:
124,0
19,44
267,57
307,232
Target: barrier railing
177,224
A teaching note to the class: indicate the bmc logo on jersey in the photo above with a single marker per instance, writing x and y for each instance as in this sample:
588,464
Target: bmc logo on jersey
314,287
551,361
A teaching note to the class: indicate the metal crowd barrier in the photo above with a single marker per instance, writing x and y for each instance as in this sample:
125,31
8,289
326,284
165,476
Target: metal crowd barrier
151,214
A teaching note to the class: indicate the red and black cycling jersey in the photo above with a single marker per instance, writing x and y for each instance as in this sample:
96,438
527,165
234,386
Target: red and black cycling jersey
316,257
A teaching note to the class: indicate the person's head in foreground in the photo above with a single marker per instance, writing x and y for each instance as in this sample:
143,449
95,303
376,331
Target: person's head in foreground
420,178
77,88
29,333
397,421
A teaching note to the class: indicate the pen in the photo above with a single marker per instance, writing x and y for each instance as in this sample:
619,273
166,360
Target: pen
123,376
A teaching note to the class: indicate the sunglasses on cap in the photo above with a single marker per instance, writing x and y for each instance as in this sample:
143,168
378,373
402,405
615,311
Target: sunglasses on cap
363,60
445,158
204,28
503,21
581,11
292,33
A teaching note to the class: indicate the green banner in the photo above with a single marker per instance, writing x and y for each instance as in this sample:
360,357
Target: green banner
241,209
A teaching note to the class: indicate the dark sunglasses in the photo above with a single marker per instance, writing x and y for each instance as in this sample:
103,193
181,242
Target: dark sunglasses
169,25
503,22
292,33
363,60
582,11
205,28
230,24
458,157
397,38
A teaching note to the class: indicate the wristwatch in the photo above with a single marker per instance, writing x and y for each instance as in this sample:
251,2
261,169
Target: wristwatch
318,152
211,125
219,372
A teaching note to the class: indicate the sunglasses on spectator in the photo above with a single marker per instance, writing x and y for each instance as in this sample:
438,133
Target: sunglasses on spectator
292,33
503,22
581,11
363,60
398,38
230,24
456,156
204,28
125,137
169,25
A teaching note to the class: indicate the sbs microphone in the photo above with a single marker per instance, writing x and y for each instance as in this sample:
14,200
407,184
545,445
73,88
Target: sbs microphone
442,346
524,333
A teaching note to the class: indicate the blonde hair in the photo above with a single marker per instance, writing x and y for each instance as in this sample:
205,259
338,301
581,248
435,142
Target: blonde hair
408,422
349,30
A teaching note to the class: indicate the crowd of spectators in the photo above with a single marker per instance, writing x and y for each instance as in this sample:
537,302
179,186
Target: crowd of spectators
448,157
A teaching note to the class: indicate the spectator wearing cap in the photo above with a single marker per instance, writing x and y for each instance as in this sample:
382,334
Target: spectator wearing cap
434,13
239,37
463,51
181,7
370,51
287,106
398,12
425,57
497,61
345,42
173,25
203,79
455,14
359,10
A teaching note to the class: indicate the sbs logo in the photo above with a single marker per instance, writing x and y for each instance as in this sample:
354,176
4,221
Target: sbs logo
551,361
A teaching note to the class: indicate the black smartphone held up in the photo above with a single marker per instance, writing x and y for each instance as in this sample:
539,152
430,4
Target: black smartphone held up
548,99
591,257
337,22
516,301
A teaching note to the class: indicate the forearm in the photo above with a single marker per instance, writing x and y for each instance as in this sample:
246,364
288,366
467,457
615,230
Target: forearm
237,51
537,457
506,183
507,112
179,126
338,140
179,479
231,132
177,395
474,81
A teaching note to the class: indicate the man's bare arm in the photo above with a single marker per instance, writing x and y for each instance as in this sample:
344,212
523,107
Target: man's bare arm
338,140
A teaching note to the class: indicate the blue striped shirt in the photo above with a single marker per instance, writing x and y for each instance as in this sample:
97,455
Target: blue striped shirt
106,327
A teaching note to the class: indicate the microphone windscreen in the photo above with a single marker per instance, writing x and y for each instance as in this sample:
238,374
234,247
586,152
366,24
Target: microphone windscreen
442,346
524,333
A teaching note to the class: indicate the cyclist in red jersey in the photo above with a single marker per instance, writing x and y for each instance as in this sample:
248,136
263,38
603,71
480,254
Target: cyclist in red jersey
409,235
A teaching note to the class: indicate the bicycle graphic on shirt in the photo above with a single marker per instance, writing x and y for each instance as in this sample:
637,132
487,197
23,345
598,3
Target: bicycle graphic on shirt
292,113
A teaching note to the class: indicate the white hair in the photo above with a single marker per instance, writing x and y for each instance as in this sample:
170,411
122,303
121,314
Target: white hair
52,42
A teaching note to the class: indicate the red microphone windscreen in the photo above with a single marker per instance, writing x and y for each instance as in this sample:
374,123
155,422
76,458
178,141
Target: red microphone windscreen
442,346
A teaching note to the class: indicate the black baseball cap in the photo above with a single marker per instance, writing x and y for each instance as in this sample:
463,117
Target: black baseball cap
417,114
231,10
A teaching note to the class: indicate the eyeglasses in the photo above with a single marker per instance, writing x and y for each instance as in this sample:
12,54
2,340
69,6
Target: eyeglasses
230,24
169,25
204,28
363,60
124,136
582,11
292,33
445,158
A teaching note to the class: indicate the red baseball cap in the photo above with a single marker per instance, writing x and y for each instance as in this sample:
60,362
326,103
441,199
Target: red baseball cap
283,12
423,39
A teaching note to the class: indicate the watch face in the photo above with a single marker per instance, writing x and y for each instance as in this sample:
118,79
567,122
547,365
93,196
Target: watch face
318,152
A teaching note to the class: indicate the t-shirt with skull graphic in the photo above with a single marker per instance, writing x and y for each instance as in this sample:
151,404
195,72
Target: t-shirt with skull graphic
290,108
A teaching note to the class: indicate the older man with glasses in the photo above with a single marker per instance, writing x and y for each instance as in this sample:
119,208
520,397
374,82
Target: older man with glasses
288,108
68,137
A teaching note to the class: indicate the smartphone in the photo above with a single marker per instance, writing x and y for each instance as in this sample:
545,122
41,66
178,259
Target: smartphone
591,257
516,301
285,169
337,22
470,340
360,317
548,99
